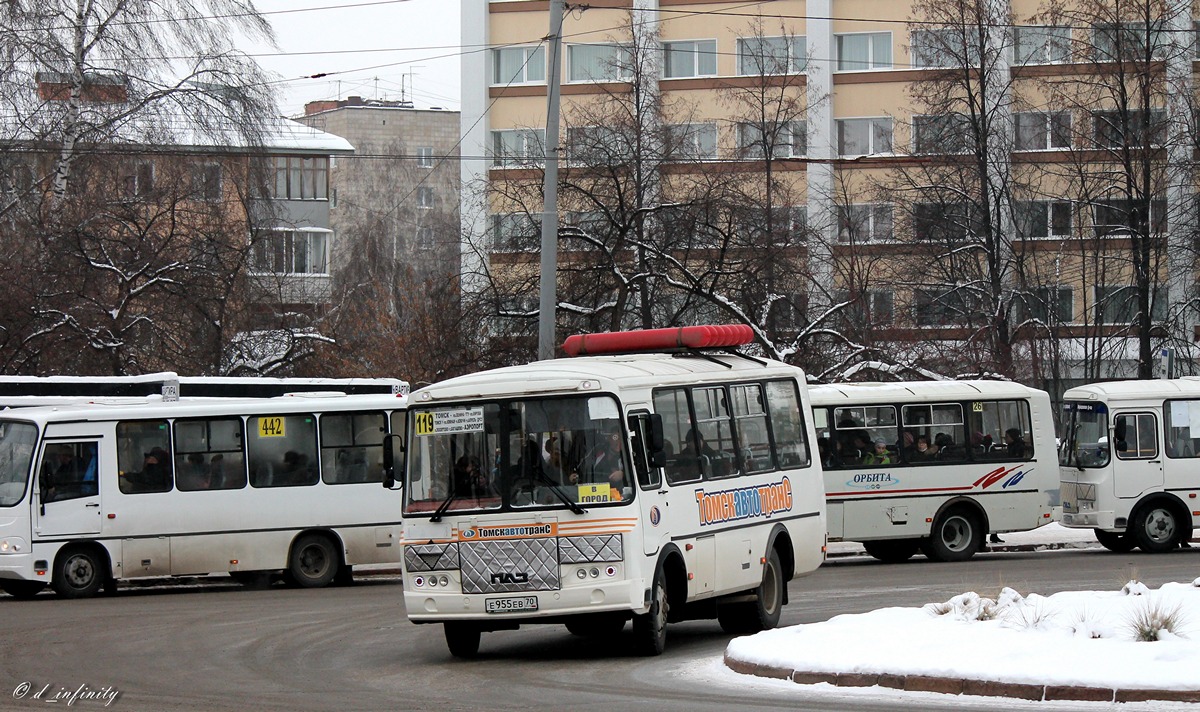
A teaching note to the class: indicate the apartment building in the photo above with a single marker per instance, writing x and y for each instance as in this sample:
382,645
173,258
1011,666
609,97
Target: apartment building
401,186
974,186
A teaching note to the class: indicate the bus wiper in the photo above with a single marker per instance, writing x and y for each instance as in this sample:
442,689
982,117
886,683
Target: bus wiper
558,492
437,513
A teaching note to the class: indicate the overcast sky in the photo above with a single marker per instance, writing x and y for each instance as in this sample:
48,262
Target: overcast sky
369,48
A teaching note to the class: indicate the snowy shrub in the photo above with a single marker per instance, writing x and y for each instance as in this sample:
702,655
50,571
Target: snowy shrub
1135,588
1086,625
968,606
1196,583
1151,621
1028,615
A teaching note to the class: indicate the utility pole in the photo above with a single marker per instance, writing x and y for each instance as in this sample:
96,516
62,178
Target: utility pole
549,273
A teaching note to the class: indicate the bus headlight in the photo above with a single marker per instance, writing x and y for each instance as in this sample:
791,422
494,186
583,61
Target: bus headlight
13,545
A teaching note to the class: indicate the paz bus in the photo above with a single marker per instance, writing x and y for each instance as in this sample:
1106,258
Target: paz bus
1129,464
932,466
655,476
123,489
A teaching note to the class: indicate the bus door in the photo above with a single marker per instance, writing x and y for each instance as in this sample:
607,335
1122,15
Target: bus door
651,489
1138,466
68,486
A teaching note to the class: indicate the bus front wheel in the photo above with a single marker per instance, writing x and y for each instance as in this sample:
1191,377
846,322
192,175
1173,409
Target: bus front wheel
650,628
314,562
1156,528
79,573
1120,542
763,612
956,536
462,639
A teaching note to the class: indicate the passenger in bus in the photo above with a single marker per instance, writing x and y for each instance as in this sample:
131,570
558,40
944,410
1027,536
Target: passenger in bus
605,458
879,455
696,454
469,480
1014,443
216,472
618,488
294,471
946,449
61,473
830,459
155,475
194,475
554,466
923,451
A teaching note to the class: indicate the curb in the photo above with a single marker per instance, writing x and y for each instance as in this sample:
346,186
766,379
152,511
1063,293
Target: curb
1045,546
963,686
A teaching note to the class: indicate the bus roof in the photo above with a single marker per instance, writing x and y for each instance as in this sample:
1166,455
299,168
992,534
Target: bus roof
1135,390
105,409
203,386
608,372
911,391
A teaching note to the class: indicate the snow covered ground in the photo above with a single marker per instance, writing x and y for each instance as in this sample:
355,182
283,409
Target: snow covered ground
1132,637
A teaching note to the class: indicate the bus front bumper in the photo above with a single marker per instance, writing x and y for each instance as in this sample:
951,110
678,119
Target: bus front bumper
436,606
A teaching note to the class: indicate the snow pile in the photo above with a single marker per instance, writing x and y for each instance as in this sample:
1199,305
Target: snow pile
1131,638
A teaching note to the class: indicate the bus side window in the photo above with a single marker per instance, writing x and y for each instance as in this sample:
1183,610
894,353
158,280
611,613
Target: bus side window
641,426
144,462
671,404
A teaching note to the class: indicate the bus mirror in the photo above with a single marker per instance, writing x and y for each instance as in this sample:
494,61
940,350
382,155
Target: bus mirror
392,444
658,455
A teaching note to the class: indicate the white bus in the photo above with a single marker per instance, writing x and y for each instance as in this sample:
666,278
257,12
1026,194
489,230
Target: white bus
934,465
1129,464
90,494
589,491
20,391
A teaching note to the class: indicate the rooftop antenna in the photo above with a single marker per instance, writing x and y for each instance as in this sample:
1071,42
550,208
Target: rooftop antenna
410,74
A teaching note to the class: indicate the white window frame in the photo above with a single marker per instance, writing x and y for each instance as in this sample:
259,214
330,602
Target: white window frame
797,55
289,235
871,134
1051,206
870,231
424,157
529,59
528,138
426,197
873,62
622,73
1047,130
692,137
1049,47
699,48
748,147
934,55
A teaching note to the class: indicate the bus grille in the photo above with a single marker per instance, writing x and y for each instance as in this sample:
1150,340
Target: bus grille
509,565
589,549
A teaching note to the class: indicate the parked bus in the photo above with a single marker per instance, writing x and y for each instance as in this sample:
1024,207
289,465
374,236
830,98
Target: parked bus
1129,464
90,494
626,483
934,465
18,391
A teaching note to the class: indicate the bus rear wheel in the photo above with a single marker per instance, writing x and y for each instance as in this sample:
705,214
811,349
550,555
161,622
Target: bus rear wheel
462,639
763,612
1155,527
313,563
1120,542
78,573
956,536
893,552
24,590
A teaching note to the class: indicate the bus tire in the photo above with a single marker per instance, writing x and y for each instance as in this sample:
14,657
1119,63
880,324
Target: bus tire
23,590
956,535
1120,542
313,562
896,551
462,639
1155,526
650,628
79,572
763,612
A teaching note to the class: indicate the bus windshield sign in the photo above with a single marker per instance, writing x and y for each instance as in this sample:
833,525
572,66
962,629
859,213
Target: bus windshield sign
446,422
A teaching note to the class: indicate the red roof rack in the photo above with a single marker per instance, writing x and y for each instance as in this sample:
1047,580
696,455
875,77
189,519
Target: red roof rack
650,340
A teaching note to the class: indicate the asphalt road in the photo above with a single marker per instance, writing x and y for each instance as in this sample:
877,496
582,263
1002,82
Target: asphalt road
216,646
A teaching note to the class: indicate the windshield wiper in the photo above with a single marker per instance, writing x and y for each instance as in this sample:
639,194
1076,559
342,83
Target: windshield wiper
437,513
574,507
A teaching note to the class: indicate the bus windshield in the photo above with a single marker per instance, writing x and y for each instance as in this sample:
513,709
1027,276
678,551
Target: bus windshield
17,442
1085,435
553,452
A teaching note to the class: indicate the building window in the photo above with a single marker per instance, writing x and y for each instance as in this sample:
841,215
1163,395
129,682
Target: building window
868,50
598,146
1042,218
291,252
1119,305
949,133
948,223
873,307
515,232
299,178
691,142
599,62
425,238
1129,41
206,181
694,58
424,157
518,147
788,226
782,140
425,197
864,223
519,65
772,55
1125,217
1049,305
1130,128
860,137
946,47
948,307
1040,130
1042,44
139,180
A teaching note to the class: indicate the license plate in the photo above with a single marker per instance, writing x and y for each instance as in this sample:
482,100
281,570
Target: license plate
510,605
